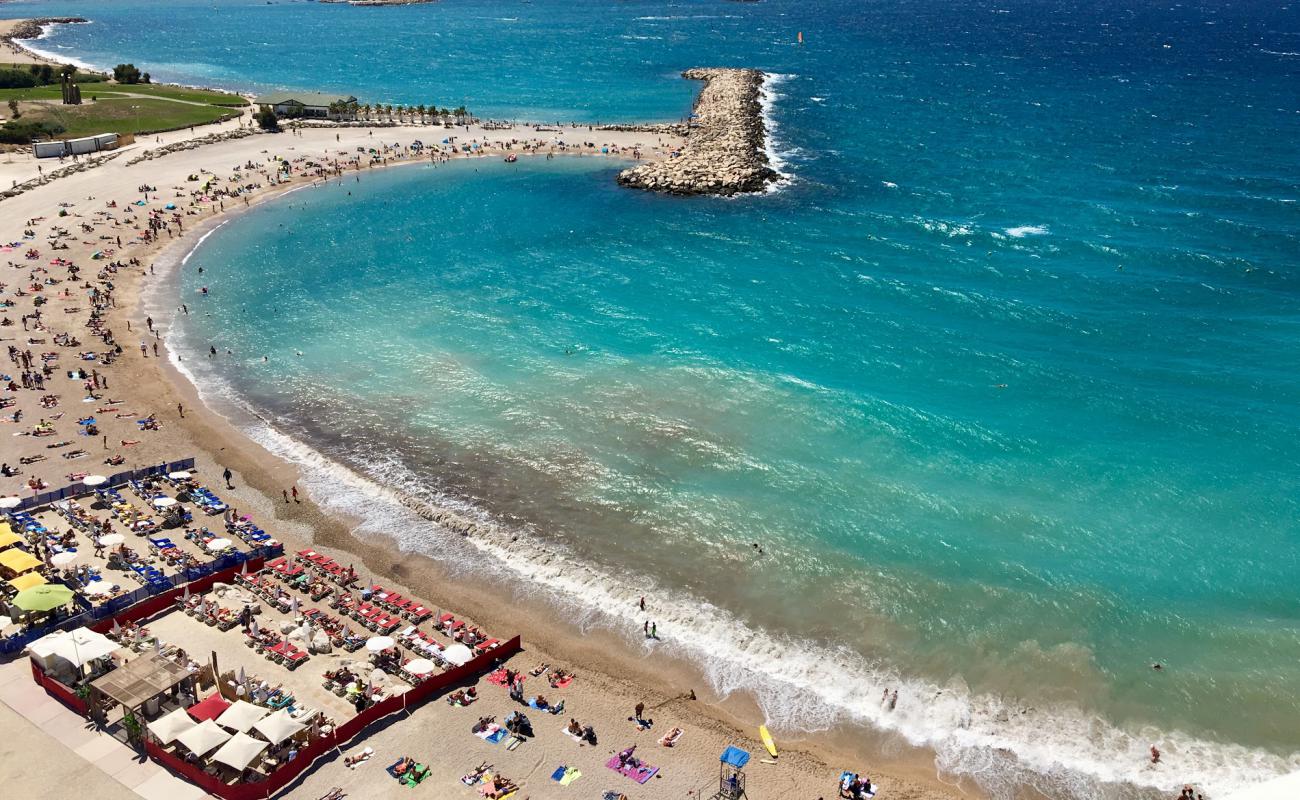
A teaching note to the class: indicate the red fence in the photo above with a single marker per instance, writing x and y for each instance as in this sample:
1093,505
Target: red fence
288,772
58,691
161,602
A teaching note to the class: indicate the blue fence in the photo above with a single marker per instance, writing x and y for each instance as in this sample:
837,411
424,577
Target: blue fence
15,644
120,479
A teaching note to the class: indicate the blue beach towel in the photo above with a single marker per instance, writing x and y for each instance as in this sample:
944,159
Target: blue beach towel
558,773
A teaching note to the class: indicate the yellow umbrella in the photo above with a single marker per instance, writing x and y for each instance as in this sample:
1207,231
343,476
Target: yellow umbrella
18,560
27,581
8,537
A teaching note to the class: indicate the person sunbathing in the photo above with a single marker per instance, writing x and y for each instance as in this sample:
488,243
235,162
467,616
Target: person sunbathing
403,765
574,728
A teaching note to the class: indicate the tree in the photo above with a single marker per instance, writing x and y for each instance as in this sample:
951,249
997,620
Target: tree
366,108
13,109
266,119
127,73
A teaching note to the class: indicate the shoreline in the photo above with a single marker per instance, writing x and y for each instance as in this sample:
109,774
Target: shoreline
909,771
213,439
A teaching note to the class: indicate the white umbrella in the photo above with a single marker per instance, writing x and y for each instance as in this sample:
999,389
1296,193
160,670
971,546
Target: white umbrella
252,626
182,475
278,727
164,502
96,588
377,644
457,654
10,502
241,716
5,622
293,606
169,727
185,592
420,666
203,737
94,480
378,676
218,544
243,568
63,559
240,751
242,679
112,539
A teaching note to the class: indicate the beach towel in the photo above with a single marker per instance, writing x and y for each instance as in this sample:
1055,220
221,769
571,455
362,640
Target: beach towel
498,678
575,737
559,772
571,776
639,774
563,684
492,733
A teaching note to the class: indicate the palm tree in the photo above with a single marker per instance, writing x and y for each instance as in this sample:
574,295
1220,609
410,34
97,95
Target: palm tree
366,108
388,110
420,110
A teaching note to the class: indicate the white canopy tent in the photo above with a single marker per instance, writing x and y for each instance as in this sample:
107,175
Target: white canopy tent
457,654
240,751
203,737
241,716
78,647
168,727
279,726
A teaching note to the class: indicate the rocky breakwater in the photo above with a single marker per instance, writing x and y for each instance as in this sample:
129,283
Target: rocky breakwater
724,152
194,144
34,28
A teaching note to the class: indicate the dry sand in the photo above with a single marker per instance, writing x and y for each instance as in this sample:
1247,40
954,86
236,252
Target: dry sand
612,678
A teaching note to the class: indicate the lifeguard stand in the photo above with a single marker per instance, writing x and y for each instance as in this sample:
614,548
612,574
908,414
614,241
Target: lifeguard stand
731,774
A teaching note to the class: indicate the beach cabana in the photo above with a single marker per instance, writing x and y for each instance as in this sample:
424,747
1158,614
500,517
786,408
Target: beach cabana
241,716
7,537
42,596
140,680
18,561
239,751
202,738
78,647
279,726
28,581
168,727
210,707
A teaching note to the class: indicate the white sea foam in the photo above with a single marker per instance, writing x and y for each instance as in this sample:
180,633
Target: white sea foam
776,157
55,54
1026,230
801,686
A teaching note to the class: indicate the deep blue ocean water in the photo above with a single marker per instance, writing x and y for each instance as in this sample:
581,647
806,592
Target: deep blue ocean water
1005,380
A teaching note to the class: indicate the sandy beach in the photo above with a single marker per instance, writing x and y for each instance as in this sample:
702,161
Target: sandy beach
612,678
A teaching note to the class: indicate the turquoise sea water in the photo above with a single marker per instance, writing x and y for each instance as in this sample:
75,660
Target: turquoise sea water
1004,381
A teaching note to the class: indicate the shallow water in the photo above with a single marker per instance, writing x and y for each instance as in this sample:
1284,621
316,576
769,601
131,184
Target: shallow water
1004,381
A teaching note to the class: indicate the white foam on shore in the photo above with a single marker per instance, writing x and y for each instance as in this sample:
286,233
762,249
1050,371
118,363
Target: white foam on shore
802,686
776,159
47,31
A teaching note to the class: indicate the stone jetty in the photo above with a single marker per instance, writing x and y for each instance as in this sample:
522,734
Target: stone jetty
34,28
724,152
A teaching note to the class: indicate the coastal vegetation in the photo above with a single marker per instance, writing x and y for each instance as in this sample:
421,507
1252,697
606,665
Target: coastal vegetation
133,105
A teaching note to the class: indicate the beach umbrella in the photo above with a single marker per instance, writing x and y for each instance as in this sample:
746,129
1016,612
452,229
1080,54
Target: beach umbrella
63,559
116,630
182,475
293,606
242,679
185,592
420,666
10,502
378,676
243,568
252,626
457,654
45,597
94,480
218,544
97,588
376,644
112,539
164,502
5,622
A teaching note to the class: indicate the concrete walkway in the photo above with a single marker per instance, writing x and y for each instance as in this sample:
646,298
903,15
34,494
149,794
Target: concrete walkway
46,748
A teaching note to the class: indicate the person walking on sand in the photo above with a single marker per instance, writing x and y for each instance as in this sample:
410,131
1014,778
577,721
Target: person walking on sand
646,627
640,709
294,490
643,602
654,630
285,492
180,409
227,474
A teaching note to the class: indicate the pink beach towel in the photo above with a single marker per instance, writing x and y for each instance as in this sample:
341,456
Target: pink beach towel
639,774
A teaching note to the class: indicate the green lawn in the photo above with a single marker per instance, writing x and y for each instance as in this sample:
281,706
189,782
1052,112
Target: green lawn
111,90
125,115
